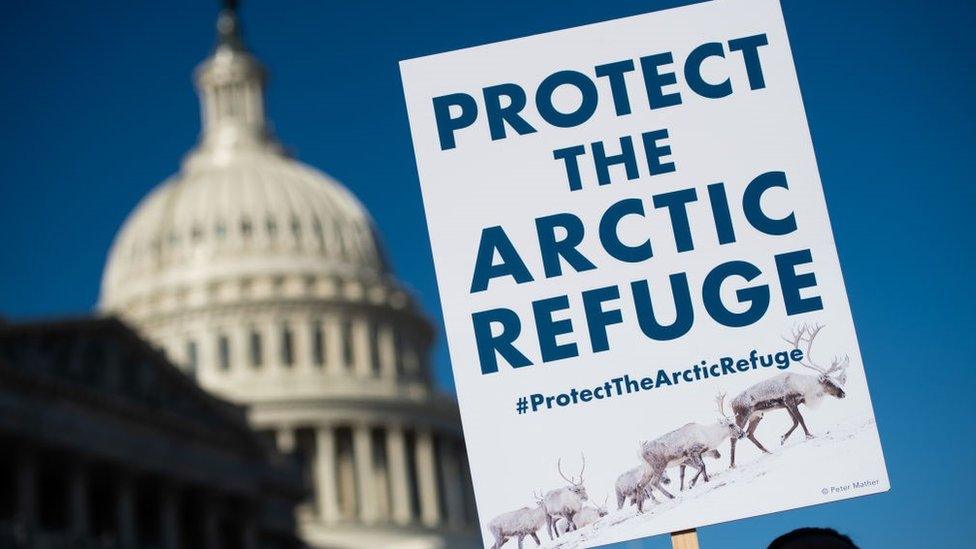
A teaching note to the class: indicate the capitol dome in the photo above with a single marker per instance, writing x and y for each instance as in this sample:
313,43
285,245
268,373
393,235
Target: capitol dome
247,216
264,280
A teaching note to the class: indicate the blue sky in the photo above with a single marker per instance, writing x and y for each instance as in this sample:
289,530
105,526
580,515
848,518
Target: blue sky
97,107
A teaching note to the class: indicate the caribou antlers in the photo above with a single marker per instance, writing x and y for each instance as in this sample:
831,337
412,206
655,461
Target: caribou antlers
840,365
572,480
806,334
720,401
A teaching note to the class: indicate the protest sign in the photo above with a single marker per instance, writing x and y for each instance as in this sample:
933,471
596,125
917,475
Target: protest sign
638,277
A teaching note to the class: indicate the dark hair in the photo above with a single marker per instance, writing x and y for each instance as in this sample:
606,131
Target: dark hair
813,538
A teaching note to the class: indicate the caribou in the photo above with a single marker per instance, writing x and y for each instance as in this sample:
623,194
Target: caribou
684,447
565,502
788,390
627,483
587,516
518,524
713,453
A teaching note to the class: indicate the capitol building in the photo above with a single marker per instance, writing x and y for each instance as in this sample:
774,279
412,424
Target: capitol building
264,280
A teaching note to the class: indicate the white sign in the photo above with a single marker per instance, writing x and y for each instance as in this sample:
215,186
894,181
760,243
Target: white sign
627,226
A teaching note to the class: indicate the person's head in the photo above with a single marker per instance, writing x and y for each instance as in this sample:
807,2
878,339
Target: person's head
813,538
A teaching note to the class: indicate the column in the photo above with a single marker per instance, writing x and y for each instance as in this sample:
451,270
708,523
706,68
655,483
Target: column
78,501
362,448
326,493
169,519
360,345
285,440
125,499
333,343
207,360
427,478
396,457
27,490
240,351
452,478
271,332
387,348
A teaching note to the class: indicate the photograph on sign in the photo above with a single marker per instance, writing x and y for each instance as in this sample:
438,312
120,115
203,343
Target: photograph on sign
646,316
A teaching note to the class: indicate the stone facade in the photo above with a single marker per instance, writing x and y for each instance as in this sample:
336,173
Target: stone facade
107,445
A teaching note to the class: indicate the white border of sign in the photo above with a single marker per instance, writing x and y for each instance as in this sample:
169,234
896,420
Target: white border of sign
510,182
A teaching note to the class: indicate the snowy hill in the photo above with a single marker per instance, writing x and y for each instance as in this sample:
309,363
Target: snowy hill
764,473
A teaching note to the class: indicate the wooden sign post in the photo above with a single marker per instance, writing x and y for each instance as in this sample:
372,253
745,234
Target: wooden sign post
685,539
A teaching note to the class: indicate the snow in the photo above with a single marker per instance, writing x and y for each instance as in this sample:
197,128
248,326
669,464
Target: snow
755,474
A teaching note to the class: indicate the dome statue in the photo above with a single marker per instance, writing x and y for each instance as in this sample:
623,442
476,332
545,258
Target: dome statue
265,281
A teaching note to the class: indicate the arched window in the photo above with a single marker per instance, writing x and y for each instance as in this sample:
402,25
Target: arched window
255,349
398,351
318,344
191,358
287,346
374,347
223,352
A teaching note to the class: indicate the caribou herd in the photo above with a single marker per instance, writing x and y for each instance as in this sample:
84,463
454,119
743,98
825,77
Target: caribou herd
565,509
